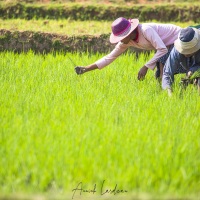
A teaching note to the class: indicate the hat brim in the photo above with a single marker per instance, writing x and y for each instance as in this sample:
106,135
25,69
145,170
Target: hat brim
115,39
178,47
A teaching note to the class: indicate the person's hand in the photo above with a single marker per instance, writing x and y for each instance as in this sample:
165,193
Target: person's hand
189,73
80,70
142,73
169,90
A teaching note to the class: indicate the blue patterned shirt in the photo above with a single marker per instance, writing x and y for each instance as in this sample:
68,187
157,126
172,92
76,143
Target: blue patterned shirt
178,64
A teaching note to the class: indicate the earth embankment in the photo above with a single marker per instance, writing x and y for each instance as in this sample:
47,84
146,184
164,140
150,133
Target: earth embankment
47,42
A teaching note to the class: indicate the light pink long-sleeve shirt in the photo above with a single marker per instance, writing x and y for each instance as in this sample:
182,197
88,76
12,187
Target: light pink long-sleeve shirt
152,36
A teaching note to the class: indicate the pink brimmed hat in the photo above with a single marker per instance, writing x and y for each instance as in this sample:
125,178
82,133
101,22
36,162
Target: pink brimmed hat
121,28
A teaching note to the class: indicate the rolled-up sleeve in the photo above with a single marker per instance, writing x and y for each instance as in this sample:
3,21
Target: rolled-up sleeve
152,36
106,60
169,69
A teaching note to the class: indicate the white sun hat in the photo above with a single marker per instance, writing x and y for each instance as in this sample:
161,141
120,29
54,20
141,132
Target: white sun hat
188,41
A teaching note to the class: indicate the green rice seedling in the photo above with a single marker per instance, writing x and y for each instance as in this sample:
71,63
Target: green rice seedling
196,74
193,79
58,129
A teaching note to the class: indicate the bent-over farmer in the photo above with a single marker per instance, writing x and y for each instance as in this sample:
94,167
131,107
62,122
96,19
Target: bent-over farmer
184,57
146,36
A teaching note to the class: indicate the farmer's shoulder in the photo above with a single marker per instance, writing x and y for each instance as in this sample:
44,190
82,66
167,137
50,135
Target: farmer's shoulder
175,55
158,27
145,26
148,27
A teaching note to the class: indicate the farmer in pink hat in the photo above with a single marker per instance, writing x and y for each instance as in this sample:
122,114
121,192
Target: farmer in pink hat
147,36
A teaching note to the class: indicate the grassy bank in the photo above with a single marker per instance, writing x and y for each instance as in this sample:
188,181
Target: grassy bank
162,12
43,36
67,27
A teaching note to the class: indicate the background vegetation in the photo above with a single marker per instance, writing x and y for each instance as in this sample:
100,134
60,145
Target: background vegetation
163,12
67,27
43,36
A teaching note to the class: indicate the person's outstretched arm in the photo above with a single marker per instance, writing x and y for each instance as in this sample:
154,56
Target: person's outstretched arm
105,61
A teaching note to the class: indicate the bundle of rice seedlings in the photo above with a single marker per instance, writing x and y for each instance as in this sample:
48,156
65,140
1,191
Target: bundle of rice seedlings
185,82
195,75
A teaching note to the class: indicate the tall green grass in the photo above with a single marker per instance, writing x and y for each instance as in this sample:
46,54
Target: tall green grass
58,129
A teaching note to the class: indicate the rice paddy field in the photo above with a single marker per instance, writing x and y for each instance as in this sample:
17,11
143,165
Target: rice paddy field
103,130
